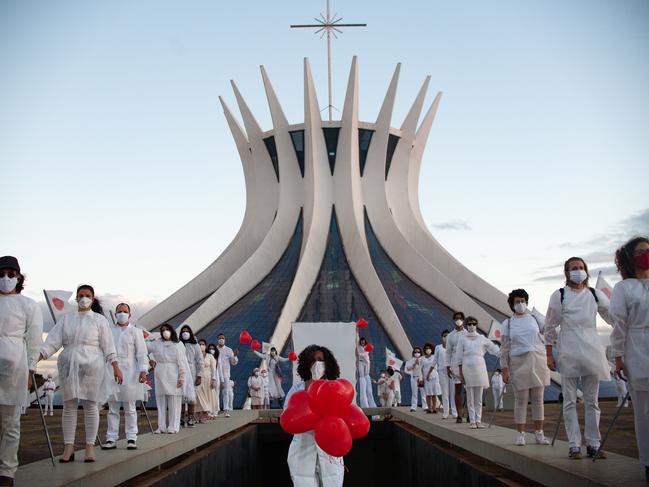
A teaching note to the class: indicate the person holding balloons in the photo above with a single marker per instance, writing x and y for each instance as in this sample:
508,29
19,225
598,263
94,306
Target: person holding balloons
308,464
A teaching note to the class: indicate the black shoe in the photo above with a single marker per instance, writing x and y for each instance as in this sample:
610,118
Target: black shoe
109,445
182,423
4,480
131,445
191,423
646,473
71,459
591,452
458,420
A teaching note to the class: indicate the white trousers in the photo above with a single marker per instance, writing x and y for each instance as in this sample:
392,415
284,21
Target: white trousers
590,388
497,396
168,413
522,397
130,420
474,403
448,394
49,401
641,416
227,395
416,390
620,385
90,419
365,394
9,439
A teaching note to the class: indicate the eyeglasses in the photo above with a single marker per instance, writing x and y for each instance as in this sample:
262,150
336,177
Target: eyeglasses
10,274
471,324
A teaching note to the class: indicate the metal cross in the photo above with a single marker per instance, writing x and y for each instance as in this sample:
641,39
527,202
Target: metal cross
328,26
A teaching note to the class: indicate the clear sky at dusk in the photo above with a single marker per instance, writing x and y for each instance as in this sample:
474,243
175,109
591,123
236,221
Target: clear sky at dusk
119,168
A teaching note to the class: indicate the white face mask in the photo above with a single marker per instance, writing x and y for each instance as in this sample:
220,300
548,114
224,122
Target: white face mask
264,374
221,341
520,308
382,376
256,374
166,334
417,355
578,276
458,323
428,351
317,369
202,347
185,335
212,351
8,284
85,302
122,318
471,328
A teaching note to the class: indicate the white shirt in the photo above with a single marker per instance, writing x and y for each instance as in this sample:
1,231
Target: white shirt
524,333
452,341
630,337
226,358
414,367
440,358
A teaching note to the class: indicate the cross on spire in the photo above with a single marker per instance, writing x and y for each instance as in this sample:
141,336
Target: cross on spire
329,25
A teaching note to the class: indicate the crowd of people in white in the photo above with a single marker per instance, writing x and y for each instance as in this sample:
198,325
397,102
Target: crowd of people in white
104,363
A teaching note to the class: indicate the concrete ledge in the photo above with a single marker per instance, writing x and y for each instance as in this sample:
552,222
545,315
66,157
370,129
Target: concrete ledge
116,466
546,465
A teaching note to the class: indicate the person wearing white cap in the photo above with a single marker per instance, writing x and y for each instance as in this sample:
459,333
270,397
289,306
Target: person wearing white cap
630,337
49,387
581,355
21,330
134,362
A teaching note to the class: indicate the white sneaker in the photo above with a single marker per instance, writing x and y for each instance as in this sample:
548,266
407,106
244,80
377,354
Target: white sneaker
227,414
412,410
473,426
445,416
540,438
520,439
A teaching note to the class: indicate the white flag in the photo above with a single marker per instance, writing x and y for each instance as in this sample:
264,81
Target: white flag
58,303
604,286
389,353
393,362
495,332
265,347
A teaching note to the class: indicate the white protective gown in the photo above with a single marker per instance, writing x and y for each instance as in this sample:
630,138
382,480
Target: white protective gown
274,374
309,465
431,381
580,350
133,359
87,344
470,354
170,366
630,337
452,342
21,332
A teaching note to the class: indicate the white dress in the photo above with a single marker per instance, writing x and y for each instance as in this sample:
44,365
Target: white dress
133,359
308,464
21,332
431,382
87,345
470,354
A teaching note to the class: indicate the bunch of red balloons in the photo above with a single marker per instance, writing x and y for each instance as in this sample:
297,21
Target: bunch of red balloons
245,338
327,408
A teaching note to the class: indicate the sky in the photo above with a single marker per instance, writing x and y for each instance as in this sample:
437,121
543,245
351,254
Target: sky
119,169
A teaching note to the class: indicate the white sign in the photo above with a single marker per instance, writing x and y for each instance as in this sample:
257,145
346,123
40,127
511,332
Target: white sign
339,338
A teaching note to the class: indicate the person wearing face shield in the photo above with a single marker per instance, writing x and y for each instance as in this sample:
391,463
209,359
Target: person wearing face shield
48,388
473,368
524,366
365,394
21,331
227,357
446,384
256,389
308,464
134,361
630,337
273,361
415,367
88,345
453,368
195,360
209,381
581,355
431,379
171,371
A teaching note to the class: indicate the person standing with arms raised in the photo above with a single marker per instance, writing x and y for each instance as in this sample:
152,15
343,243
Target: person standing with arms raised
21,331
227,357
630,337
581,354
453,368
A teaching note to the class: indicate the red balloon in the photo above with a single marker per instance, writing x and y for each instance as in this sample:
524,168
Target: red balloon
255,345
244,337
334,397
361,323
292,356
369,347
333,436
298,416
356,421
312,392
